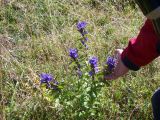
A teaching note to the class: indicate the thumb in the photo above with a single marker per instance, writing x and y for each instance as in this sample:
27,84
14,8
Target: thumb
118,52
117,55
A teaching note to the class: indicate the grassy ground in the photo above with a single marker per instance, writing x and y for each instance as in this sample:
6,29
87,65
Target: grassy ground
35,36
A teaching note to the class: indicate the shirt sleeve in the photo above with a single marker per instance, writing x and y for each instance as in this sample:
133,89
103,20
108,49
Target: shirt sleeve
143,49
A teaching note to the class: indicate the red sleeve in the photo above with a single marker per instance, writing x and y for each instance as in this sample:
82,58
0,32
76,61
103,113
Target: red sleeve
143,49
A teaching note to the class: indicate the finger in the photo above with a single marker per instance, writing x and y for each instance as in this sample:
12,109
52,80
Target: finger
117,53
110,77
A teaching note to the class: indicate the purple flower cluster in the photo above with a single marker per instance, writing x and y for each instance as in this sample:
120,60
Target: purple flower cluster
94,65
109,65
49,80
73,53
45,78
81,28
111,61
93,61
81,25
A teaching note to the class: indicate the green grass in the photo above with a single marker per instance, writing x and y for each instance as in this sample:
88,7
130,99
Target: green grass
36,36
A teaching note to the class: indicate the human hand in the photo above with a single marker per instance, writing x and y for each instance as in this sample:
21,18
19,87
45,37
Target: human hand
120,69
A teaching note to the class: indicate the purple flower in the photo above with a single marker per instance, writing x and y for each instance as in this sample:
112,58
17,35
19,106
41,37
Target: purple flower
81,25
83,43
73,53
96,69
81,28
86,39
83,32
54,85
111,62
91,73
93,61
56,82
46,78
50,81
55,88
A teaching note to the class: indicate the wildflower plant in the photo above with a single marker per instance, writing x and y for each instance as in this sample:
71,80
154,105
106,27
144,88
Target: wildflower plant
87,86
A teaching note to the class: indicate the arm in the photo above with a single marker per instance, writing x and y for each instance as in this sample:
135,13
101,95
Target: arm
143,49
139,52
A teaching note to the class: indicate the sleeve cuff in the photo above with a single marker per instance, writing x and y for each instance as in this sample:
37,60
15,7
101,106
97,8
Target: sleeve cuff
158,47
129,64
